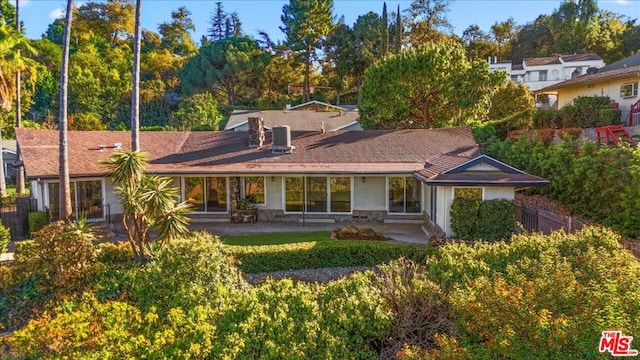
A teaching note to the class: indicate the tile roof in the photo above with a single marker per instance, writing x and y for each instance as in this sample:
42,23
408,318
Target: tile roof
539,61
299,120
581,57
379,151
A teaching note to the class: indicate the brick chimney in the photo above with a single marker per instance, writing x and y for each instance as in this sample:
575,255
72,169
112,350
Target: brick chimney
256,132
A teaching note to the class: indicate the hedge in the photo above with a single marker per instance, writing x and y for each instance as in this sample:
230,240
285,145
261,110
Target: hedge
488,220
37,220
5,238
314,255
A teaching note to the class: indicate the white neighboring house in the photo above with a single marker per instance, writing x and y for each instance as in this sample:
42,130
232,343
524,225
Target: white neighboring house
619,81
541,72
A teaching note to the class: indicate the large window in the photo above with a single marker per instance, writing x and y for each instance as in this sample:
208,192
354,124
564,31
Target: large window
542,75
86,198
214,199
294,194
404,194
253,189
468,193
629,90
340,194
316,194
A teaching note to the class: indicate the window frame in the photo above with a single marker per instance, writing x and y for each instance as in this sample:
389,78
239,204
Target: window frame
73,184
205,188
453,191
543,75
633,90
328,195
243,189
404,205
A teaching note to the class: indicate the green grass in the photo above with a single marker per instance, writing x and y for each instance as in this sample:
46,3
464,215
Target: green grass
275,239
291,251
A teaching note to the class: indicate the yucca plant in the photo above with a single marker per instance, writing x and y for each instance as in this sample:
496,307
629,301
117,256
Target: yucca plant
148,202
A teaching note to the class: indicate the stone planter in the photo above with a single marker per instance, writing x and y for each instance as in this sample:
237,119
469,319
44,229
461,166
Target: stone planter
249,216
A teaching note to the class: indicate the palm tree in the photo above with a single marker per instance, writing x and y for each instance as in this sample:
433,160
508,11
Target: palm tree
65,184
135,93
20,172
11,42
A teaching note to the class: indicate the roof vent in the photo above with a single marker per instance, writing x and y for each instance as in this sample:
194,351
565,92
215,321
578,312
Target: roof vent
117,146
282,139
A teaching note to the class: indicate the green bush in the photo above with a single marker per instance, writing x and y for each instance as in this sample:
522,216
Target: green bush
608,116
488,220
5,237
312,255
192,271
37,220
496,220
464,217
544,119
542,297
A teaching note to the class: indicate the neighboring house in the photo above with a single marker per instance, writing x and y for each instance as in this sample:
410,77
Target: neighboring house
9,159
618,80
311,116
541,72
337,176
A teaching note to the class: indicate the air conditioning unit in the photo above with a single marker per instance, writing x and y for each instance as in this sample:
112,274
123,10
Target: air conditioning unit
282,139
636,118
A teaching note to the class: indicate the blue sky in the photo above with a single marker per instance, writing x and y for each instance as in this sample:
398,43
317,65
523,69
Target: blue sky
265,14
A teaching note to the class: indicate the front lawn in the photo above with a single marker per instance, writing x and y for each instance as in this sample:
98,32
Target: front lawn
274,239
293,251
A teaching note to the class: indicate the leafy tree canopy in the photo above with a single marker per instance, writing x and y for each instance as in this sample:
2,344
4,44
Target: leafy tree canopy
227,68
431,86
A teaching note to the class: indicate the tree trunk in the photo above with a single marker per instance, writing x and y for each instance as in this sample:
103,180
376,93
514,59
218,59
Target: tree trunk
65,184
307,70
135,93
20,169
3,183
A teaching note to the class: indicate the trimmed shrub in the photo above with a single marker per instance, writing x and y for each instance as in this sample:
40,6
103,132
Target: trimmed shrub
496,220
464,217
37,220
312,255
488,220
5,238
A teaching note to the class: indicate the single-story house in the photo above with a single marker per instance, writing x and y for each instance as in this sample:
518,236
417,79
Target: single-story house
618,81
309,116
338,176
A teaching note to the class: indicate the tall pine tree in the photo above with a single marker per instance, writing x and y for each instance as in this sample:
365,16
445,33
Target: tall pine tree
306,23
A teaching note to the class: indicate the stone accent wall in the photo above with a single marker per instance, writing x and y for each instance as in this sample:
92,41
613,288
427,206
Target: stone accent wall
358,216
433,229
256,131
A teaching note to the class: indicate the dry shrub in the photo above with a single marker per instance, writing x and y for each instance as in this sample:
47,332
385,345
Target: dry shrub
418,304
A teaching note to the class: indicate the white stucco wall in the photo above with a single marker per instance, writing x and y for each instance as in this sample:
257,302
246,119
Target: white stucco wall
443,204
111,198
371,194
499,192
